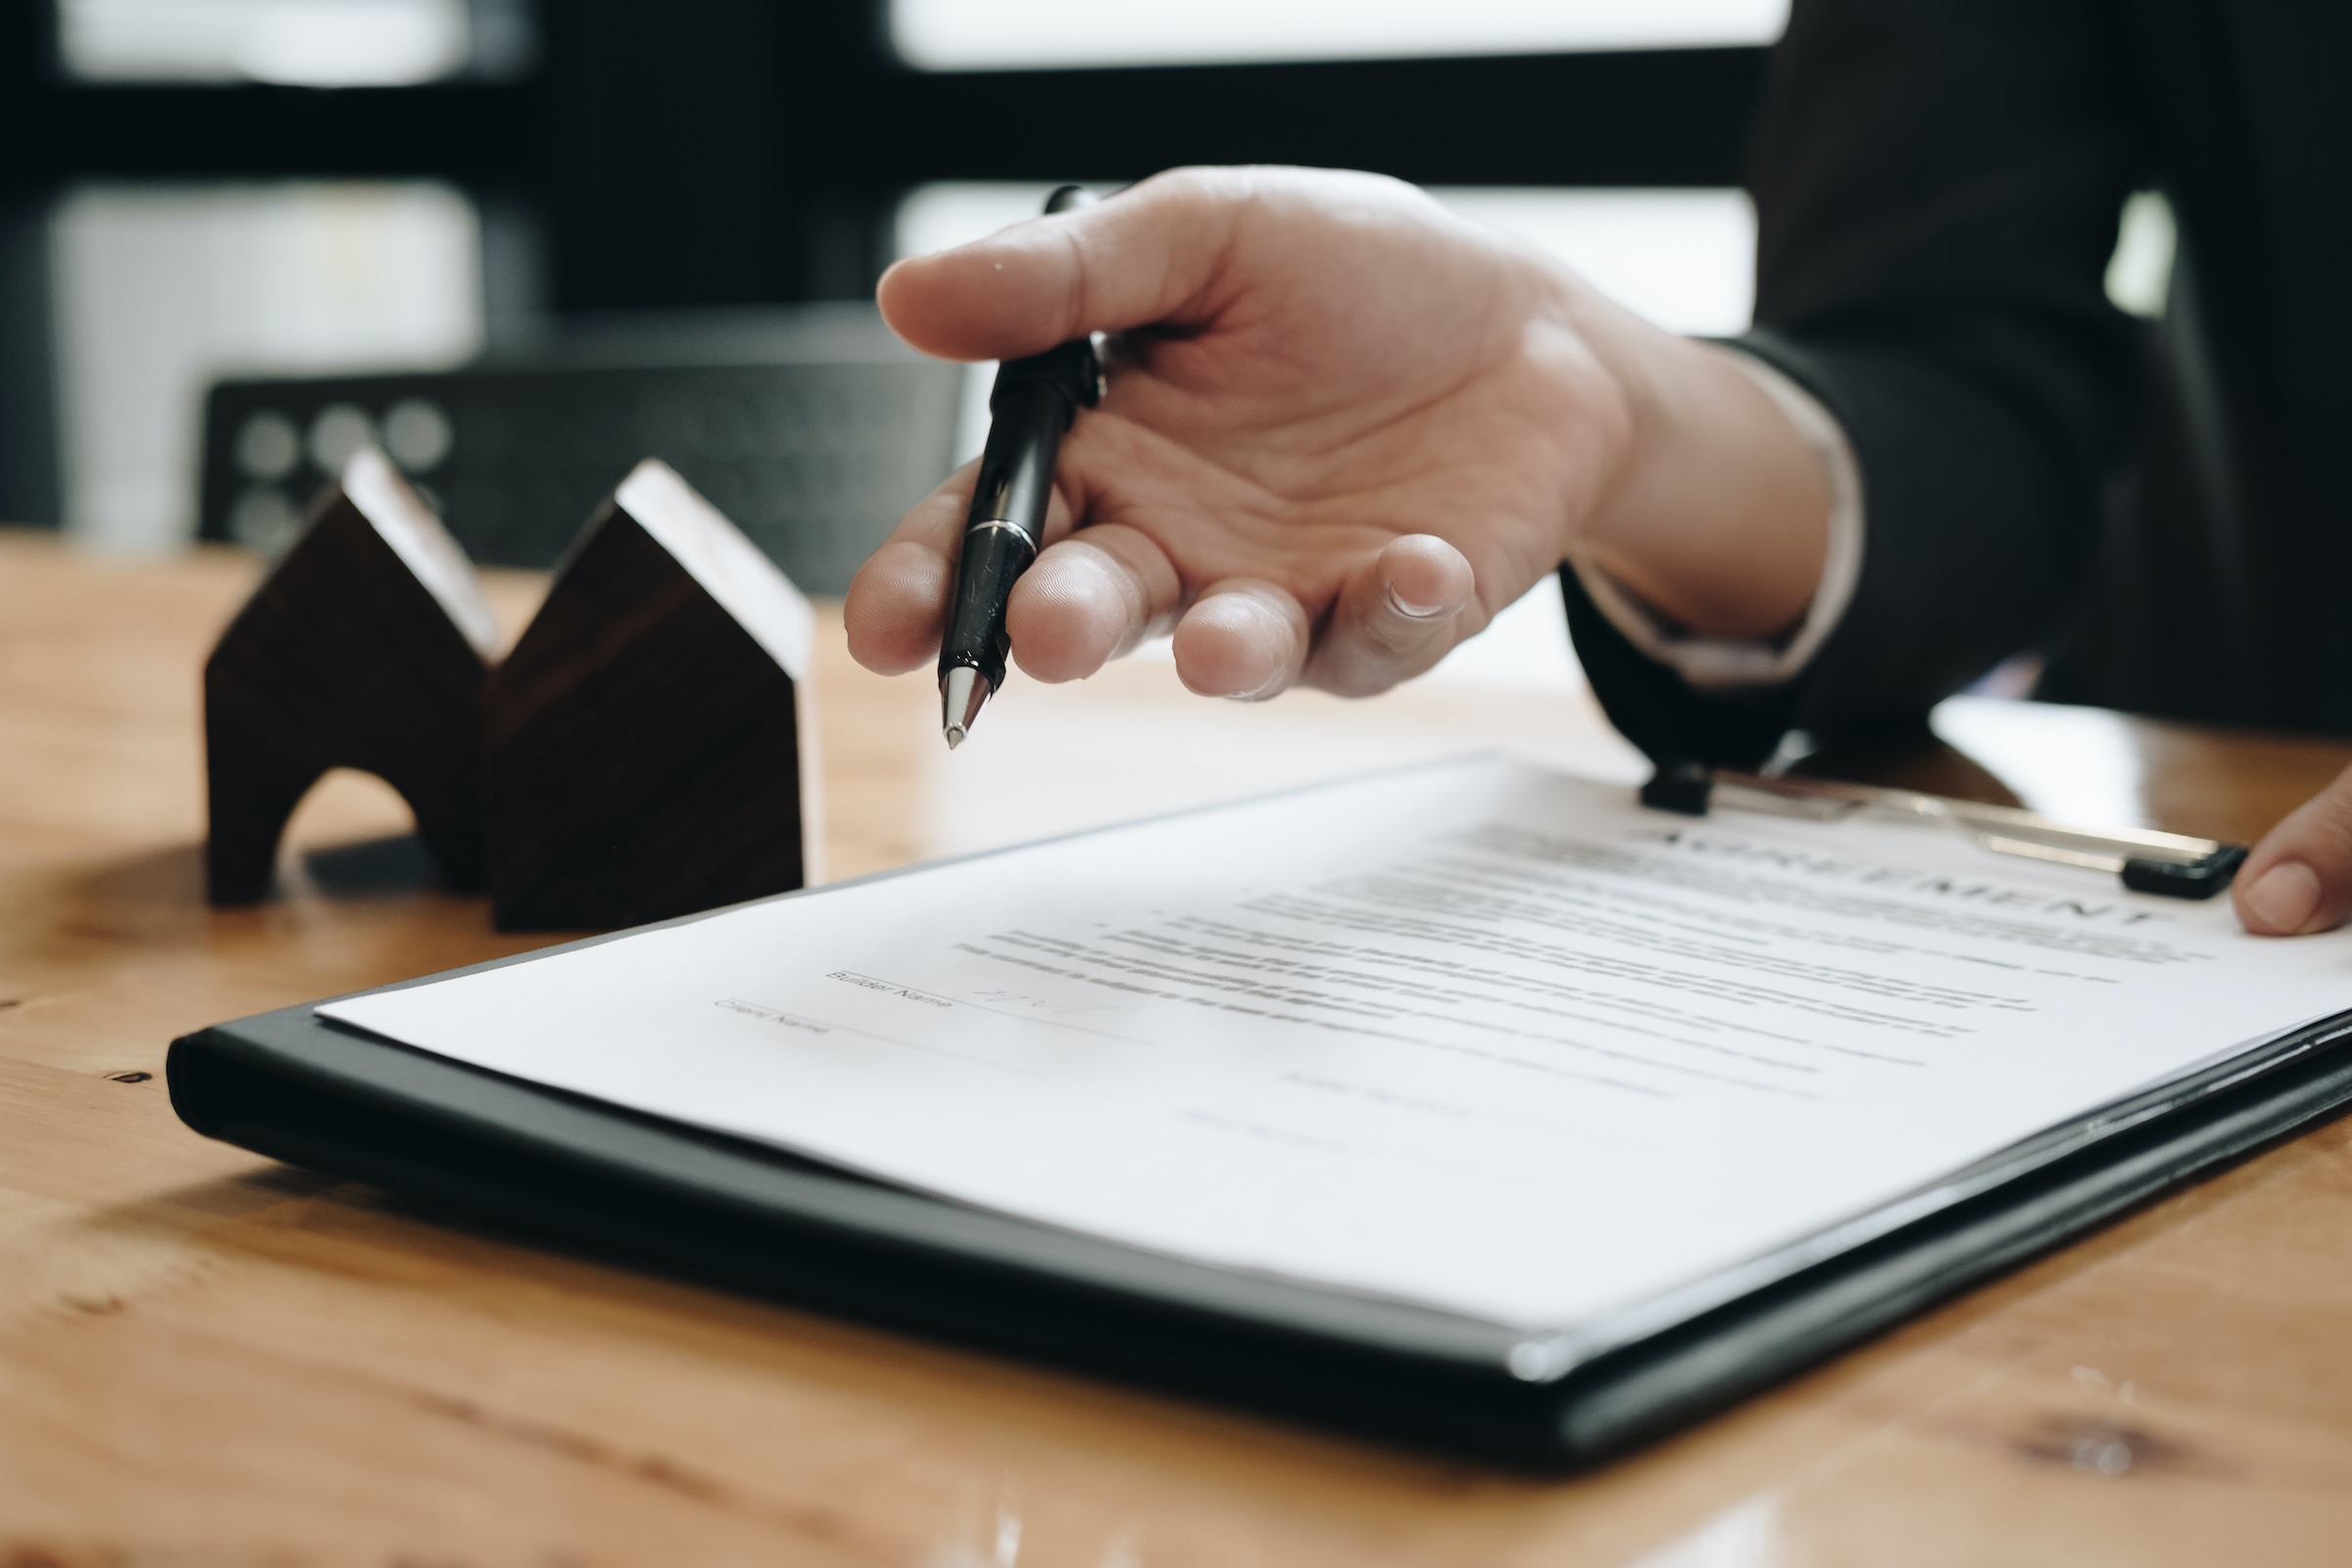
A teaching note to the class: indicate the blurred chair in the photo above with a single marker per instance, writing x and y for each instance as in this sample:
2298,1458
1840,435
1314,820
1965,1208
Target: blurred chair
811,427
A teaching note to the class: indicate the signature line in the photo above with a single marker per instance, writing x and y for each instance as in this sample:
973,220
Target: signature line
1001,1012
761,1009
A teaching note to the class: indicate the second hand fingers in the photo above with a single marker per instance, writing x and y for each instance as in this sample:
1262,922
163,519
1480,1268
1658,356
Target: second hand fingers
2299,878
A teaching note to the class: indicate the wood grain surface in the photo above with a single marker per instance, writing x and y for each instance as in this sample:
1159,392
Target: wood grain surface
206,1359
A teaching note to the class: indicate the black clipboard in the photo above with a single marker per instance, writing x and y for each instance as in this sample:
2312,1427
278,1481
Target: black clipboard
650,1193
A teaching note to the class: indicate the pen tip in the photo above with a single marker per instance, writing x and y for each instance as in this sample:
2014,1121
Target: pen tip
961,691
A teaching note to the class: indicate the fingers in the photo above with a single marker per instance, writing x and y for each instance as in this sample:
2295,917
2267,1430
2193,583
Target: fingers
1243,639
2299,877
1089,599
897,610
1093,597
1147,255
1396,615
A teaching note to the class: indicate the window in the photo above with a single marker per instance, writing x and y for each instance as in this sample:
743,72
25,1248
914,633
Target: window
307,43
158,290
1001,35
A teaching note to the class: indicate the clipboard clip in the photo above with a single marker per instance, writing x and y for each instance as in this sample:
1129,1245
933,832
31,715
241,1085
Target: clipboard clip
2172,864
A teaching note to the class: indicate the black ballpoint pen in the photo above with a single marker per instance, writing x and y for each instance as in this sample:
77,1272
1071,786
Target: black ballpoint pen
1031,408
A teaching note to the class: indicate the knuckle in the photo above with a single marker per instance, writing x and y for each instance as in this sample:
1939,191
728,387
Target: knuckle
1192,182
1353,679
1393,630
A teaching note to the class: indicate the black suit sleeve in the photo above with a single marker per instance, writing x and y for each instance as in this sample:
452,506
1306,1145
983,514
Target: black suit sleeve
1938,184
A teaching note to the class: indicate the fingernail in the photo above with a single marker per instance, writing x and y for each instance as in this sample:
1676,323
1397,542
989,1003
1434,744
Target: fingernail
2284,896
1405,607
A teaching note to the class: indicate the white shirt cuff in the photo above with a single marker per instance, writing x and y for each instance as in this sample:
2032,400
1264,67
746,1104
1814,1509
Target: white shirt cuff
1728,664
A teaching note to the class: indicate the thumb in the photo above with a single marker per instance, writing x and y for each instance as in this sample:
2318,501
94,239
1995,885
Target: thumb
1145,256
2299,877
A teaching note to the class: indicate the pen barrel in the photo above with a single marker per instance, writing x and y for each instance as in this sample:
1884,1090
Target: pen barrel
1029,415
1033,403
976,635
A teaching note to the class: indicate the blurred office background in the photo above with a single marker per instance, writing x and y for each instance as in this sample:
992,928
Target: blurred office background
209,194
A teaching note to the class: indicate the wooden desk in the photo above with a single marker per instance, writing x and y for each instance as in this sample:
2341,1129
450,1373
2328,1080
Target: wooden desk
209,1359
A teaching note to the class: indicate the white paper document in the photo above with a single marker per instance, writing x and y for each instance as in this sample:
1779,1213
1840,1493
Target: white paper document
1477,1036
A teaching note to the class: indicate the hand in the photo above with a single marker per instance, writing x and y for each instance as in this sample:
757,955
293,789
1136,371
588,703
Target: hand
2299,878
1344,429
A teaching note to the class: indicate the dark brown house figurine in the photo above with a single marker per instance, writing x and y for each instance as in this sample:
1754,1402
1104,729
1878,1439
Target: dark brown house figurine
648,737
365,646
